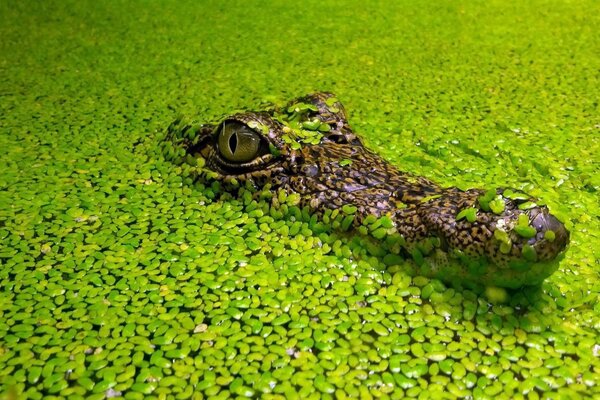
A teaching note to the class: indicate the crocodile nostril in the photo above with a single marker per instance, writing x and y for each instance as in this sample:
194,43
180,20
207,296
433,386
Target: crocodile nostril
543,221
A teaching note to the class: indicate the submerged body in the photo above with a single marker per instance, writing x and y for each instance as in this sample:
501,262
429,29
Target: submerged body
307,150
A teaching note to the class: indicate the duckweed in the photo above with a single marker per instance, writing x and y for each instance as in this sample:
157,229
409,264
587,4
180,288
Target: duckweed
470,214
123,276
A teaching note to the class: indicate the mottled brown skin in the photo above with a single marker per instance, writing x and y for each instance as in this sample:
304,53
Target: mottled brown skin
370,183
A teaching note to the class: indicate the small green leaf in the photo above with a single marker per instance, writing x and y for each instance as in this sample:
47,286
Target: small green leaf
400,205
417,257
347,222
505,248
515,195
259,127
523,228
331,101
523,220
550,236
429,198
470,214
525,231
379,233
324,128
484,199
387,222
497,205
349,209
274,150
529,253
345,162
301,107
505,242
527,205
496,295
311,125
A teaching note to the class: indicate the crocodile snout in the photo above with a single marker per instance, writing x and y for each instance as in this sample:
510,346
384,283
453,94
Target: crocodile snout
552,237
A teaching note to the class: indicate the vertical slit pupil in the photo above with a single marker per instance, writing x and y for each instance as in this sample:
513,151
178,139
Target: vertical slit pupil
233,142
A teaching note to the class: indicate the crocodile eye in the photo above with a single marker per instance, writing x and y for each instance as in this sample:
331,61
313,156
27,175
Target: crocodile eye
238,143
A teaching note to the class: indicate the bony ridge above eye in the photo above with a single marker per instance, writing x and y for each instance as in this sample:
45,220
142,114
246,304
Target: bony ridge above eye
237,142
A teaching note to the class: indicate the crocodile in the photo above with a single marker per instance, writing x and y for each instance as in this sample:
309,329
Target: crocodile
307,151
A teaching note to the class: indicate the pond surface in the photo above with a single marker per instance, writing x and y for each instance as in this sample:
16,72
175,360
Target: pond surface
121,278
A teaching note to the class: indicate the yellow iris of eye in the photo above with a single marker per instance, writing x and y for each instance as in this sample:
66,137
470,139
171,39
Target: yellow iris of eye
238,143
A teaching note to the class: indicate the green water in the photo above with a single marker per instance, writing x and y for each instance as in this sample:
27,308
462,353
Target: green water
118,278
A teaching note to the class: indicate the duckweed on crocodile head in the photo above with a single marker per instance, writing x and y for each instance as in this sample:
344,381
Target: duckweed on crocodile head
122,278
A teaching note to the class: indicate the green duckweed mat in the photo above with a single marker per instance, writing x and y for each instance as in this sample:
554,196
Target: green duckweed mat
117,279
